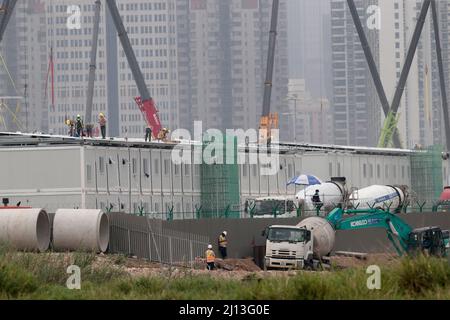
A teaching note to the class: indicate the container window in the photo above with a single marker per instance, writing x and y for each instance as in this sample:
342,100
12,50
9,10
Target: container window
166,167
145,166
89,173
156,167
101,164
134,166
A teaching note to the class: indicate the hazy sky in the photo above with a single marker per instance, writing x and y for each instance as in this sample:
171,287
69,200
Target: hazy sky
309,43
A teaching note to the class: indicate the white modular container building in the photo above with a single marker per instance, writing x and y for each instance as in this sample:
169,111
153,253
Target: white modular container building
54,172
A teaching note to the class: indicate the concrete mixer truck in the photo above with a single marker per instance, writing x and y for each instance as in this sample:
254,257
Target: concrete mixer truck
332,194
304,245
392,198
298,247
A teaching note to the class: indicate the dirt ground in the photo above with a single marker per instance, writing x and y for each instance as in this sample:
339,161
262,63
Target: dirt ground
231,268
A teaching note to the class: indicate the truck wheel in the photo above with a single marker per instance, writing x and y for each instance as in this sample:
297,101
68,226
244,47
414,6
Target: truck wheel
264,265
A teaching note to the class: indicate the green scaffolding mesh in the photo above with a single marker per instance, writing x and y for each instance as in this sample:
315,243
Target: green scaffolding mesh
426,176
220,195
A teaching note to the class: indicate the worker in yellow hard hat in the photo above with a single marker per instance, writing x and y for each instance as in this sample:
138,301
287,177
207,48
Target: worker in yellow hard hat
162,135
223,242
102,123
71,126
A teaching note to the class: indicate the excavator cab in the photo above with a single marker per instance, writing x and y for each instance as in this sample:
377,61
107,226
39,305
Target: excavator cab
428,240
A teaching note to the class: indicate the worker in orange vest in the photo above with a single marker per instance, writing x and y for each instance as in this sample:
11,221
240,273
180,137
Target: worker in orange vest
210,258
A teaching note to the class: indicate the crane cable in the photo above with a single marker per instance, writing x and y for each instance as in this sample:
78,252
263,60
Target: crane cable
8,73
4,105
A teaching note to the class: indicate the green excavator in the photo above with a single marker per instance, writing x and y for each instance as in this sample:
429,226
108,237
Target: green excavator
429,240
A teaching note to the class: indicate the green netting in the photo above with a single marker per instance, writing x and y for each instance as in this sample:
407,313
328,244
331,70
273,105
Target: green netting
220,195
426,175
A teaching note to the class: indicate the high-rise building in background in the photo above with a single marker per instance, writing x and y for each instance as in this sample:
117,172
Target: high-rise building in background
206,60
358,117
151,27
311,117
201,59
222,61
309,27
23,69
352,87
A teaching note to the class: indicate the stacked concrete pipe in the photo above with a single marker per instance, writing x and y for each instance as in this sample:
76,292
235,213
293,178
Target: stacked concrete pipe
80,230
25,229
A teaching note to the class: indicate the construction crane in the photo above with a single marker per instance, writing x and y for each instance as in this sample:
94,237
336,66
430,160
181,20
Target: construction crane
6,10
389,133
403,237
92,66
269,121
145,101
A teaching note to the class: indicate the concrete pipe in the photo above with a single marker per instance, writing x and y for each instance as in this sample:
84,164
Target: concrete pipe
80,230
25,229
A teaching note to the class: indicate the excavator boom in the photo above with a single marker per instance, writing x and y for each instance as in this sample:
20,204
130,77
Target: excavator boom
404,238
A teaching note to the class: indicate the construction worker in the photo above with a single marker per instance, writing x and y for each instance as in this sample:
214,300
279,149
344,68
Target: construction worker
71,126
89,129
223,244
79,126
210,258
162,135
102,123
316,200
148,134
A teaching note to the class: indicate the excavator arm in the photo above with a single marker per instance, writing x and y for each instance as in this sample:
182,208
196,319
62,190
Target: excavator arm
397,230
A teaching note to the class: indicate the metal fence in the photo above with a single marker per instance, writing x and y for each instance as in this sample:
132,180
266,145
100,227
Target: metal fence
146,238
410,206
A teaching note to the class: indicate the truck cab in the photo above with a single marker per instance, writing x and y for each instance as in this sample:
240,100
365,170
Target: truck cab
431,240
274,206
288,247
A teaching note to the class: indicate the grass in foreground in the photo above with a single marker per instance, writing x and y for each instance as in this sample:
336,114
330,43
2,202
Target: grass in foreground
43,276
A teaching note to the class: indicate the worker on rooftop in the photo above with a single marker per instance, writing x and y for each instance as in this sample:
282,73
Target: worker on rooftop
71,126
79,126
102,123
210,258
148,134
163,134
316,200
223,242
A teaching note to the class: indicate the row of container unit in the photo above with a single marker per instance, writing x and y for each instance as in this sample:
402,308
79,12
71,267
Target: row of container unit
98,176
360,170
